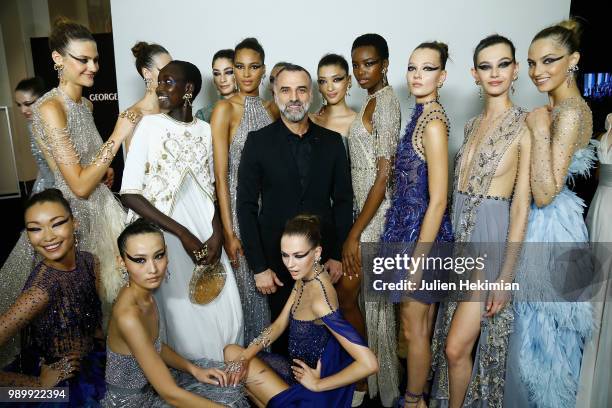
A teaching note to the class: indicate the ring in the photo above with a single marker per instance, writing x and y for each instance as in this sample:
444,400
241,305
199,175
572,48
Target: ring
129,115
234,367
201,254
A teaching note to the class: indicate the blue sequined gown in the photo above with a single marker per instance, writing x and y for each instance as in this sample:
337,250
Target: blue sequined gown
311,341
411,190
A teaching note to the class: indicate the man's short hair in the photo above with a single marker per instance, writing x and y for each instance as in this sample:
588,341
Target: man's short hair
293,68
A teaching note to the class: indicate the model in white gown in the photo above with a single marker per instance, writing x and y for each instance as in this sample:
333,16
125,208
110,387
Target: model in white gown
170,164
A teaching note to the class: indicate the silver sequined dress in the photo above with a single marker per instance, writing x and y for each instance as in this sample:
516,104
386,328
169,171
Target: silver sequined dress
44,178
100,216
364,149
127,386
254,305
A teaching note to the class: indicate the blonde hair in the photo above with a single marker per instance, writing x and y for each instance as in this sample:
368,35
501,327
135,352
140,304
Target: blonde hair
567,33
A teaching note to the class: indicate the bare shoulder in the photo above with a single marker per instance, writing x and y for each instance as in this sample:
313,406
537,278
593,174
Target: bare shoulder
125,313
325,300
435,127
223,108
128,319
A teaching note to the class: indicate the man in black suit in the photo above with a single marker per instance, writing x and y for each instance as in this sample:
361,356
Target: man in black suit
295,166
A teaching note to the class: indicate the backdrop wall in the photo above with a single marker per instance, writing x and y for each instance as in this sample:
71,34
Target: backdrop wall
302,32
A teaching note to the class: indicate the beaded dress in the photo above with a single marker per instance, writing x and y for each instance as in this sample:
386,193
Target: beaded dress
549,336
128,387
364,149
44,178
170,165
100,216
483,221
311,341
61,316
254,304
411,188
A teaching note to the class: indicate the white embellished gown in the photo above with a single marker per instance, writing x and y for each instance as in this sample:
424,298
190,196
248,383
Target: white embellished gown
170,164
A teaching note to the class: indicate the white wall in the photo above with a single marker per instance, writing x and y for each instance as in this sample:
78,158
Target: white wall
301,32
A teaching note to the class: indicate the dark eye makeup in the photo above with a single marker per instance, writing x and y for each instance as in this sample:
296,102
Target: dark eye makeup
60,222
84,60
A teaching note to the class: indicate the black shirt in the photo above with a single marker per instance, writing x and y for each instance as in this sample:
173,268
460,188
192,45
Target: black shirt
301,148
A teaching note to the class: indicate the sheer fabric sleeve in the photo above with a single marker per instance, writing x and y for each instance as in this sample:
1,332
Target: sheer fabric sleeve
386,121
57,143
552,158
136,165
29,304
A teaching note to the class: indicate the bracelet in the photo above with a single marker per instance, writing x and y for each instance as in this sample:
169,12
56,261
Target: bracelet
129,115
263,339
105,154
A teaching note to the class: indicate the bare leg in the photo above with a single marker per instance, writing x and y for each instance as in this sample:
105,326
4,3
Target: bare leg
348,293
415,321
462,336
262,383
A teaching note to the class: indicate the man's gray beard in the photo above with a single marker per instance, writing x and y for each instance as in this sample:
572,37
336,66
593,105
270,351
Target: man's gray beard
293,116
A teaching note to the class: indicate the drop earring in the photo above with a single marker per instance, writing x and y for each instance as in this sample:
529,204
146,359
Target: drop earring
60,72
571,70
479,90
385,80
317,266
512,86
124,276
187,98
148,84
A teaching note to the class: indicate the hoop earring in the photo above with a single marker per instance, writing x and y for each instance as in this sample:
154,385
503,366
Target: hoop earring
187,98
571,70
60,72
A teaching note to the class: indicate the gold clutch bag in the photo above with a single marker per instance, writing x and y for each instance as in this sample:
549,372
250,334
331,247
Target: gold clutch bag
206,283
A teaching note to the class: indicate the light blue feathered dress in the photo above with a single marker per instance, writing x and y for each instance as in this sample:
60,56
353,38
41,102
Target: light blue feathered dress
545,348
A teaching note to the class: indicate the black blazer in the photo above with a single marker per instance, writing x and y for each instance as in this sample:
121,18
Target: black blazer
268,170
